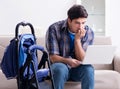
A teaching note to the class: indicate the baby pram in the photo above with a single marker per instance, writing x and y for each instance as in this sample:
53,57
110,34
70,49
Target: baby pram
29,73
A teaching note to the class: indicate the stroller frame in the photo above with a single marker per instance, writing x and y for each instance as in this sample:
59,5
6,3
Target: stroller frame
29,61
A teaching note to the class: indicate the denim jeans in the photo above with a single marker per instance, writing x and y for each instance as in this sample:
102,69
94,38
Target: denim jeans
83,73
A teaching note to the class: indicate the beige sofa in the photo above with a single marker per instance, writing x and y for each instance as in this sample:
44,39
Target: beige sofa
107,76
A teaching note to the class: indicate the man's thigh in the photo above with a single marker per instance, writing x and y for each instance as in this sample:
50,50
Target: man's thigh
76,74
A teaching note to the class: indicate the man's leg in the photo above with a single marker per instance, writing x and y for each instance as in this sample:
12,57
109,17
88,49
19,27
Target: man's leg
85,74
60,74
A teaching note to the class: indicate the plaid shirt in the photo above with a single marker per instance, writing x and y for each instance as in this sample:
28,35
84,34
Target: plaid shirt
58,40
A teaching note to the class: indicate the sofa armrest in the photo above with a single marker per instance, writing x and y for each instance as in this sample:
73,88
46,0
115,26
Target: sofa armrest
116,63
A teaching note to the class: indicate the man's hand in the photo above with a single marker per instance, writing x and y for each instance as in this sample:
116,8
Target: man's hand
73,63
80,33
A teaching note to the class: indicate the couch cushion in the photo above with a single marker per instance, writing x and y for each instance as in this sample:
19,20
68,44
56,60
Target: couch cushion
102,40
104,79
4,41
107,79
1,52
117,62
7,84
103,66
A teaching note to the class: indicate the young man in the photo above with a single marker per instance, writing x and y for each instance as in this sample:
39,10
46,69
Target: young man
66,42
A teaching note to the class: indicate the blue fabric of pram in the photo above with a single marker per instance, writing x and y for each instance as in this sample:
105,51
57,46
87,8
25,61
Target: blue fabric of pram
27,46
41,73
26,40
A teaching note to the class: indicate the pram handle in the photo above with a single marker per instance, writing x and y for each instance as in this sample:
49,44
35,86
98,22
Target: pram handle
23,24
33,47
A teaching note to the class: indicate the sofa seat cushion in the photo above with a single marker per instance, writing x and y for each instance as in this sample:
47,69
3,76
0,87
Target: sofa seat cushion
104,79
107,79
7,84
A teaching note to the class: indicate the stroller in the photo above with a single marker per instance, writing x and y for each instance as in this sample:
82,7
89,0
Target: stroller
29,73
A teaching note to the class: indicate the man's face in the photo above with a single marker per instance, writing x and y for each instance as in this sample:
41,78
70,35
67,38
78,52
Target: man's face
76,24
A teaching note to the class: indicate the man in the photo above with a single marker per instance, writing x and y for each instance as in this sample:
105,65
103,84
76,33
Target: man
66,42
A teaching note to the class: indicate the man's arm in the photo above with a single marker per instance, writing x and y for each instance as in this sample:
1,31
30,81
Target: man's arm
79,51
80,48
71,62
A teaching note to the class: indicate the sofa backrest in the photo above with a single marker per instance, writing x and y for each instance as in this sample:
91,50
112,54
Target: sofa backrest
102,40
4,41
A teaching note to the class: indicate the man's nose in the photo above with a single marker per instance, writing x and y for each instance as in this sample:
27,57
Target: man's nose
80,27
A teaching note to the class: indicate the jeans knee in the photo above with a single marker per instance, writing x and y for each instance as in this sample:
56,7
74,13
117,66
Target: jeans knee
60,69
89,70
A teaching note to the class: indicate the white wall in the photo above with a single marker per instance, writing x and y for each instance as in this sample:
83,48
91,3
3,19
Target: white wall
41,13
113,21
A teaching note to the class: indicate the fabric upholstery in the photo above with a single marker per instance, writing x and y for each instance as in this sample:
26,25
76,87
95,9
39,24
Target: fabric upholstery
104,79
107,76
117,63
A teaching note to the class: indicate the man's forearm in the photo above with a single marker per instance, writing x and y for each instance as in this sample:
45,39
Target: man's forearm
79,52
71,62
57,58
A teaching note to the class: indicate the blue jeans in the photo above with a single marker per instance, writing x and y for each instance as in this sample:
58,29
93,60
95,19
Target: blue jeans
83,73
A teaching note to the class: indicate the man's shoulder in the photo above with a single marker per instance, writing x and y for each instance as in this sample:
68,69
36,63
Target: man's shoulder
58,24
89,31
88,28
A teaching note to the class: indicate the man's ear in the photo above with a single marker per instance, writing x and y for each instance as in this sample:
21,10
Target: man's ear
69,21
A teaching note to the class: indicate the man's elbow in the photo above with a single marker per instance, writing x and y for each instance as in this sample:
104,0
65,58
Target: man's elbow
81,58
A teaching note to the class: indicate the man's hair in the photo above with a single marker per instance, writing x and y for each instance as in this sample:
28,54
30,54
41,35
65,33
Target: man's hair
77,11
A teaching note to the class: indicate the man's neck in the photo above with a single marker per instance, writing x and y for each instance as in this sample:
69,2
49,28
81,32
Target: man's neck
71,32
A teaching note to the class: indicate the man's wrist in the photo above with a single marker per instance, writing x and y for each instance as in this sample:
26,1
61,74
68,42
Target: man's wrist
77,43
77,40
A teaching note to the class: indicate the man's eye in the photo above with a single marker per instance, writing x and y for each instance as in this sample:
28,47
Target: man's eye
83,22
77,22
